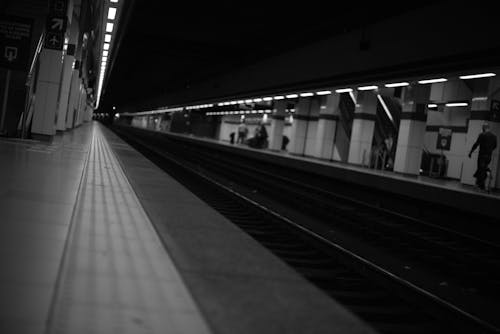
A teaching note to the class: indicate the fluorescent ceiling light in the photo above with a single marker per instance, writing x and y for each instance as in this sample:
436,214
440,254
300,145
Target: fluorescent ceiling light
115,1
279,97
291,96
105,53
432,105
382,102
343,90
476,76
324,92
104,58
268,98
220,104
306,94
109,27
480,98
111,13
248,101
457,104
367,87
257,100
107,38
233,102
241,101
397,84
106,46
428,81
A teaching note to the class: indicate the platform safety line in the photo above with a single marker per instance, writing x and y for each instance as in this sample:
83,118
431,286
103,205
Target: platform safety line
157,232
53,310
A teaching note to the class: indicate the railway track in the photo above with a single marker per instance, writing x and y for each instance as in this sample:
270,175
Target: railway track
390,304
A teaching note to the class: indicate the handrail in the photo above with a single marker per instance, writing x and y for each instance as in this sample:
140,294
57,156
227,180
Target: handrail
38,50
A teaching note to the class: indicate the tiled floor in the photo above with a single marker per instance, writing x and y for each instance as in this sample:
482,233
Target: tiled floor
38,187
115,275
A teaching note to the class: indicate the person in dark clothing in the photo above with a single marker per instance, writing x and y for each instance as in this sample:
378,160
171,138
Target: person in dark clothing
231,137
487,143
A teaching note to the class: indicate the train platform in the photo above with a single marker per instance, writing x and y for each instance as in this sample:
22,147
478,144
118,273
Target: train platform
432,190
97,239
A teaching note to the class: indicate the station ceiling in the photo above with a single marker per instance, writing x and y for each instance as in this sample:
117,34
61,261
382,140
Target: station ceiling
169,46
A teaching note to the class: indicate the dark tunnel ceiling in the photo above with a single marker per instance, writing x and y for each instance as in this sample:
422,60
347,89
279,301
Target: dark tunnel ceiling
169,46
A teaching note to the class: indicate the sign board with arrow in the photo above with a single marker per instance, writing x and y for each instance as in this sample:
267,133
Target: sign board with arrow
15,41
55,29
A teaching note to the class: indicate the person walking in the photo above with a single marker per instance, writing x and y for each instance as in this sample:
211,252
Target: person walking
242,133
487,143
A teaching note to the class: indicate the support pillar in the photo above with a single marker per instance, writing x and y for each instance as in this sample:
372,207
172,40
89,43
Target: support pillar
299,127
327,126
277,125
411,134
312,127
363,128
67,75
47,91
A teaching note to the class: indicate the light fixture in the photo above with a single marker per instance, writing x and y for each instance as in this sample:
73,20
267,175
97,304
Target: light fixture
428,81
109,27
291,96
306,94
268,98
324,92
248,101
107,38
257,100
367,87
382,102
111,13
480,98
457,104
477,76
432,105
104,58
397,84
106,46
279,97
115,1
241,102
105,53
343,90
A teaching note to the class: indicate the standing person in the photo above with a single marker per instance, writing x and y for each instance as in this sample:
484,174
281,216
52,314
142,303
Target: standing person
261,135
242,133
487,143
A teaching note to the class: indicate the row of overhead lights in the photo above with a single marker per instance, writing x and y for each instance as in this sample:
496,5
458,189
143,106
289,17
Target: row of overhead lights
350,90
243,112
108,35
326,92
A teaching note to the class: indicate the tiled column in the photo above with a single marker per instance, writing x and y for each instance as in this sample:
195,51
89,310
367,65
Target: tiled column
69,59
312,127
483,92
363,127
327,125
299,126
277,124
411,134
47,91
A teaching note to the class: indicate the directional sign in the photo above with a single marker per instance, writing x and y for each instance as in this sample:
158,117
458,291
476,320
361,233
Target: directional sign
15,40
55,29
